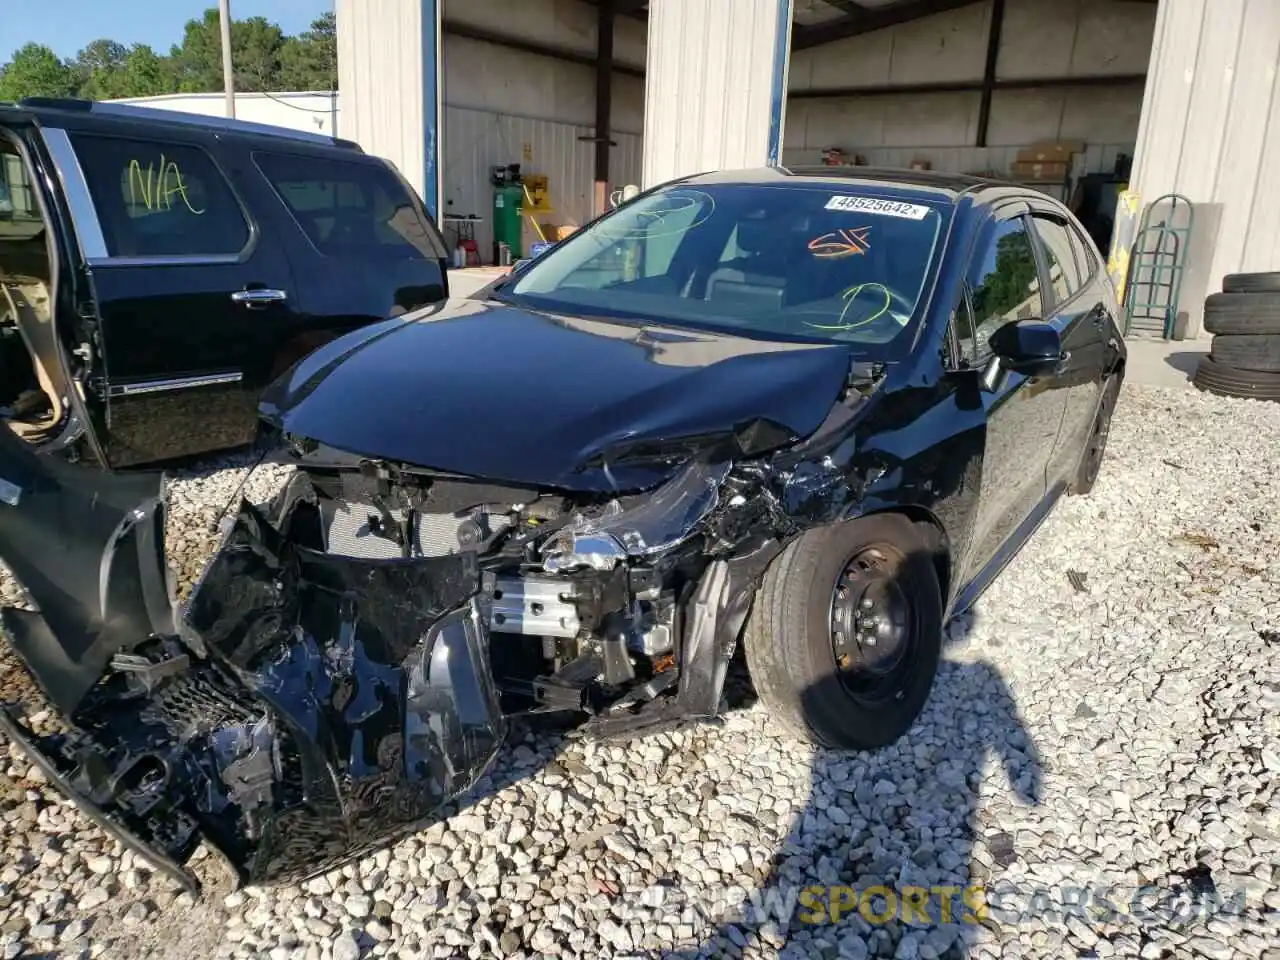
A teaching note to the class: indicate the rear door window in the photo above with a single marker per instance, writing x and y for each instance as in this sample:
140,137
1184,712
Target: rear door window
157,199
351,209
1064,271
1085,256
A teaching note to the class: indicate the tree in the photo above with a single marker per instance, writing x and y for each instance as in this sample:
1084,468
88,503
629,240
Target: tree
110,70
262,57
309,61
36,71
147,74
1010,284
100,66
255,54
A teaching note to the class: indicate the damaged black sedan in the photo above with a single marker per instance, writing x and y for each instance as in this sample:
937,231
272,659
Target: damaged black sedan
811,413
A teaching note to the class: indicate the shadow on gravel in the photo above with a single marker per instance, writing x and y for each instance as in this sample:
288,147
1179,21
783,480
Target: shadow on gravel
890,855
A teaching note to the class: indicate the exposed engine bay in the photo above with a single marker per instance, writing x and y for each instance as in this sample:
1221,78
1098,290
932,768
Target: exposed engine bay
583,596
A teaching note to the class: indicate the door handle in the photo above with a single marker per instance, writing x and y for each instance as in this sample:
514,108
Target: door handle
257,299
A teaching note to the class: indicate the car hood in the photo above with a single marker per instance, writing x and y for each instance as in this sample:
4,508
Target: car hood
484,389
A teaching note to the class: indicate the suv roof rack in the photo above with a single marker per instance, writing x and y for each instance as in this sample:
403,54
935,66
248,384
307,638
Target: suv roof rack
132,111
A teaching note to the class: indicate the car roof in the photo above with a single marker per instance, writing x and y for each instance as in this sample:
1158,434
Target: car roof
946,187
54,109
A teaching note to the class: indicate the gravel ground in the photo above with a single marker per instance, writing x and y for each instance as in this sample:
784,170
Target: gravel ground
1102,752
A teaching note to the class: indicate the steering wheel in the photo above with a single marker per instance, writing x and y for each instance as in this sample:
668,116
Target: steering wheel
865,305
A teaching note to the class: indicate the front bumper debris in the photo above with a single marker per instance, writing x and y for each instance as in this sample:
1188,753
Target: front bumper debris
300,716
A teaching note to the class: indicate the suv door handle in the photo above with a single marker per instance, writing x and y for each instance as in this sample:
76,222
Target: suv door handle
257,299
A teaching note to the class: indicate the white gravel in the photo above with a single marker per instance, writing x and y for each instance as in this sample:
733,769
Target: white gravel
1120,733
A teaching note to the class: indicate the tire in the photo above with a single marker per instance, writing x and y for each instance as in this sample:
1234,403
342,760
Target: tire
1260,353
1242,313
1251,282
788,640
1096,448
1226,381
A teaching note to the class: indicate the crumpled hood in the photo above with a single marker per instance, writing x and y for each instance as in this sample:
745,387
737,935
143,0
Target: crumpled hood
483,389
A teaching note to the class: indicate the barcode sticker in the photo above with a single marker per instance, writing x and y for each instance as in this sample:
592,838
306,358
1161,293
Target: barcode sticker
887,208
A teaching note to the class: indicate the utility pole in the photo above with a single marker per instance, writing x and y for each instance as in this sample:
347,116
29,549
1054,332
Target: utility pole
228,75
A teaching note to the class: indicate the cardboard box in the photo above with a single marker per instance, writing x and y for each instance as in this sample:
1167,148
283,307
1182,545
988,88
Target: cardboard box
1034,170
1059,152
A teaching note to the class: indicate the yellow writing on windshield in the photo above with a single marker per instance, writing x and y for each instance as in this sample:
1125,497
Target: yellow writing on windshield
155,187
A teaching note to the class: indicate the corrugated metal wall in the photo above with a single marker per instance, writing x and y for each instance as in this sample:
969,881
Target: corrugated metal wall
475,140
1097,156
387,79
501,105
710,82
1210,130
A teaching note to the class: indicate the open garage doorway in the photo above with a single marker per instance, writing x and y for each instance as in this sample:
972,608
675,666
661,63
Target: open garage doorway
1042,92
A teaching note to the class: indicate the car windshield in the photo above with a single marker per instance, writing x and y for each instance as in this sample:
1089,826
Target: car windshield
827,262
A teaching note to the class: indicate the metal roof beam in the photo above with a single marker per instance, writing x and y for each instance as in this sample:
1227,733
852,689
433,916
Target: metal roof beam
972,86
802,38
626,8
530,46
989,73
850,7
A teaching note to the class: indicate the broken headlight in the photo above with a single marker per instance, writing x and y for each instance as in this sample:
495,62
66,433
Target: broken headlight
658,522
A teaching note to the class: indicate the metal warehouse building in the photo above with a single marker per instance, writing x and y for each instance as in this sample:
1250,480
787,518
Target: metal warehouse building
1146,98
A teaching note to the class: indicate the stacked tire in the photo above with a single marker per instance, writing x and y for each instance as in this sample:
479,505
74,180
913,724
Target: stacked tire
1244,356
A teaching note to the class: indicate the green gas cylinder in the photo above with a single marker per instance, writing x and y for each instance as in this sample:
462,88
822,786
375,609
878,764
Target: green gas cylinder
507,226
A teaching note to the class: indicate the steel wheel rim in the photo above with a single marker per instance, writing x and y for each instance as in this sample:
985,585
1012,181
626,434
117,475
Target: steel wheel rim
872,624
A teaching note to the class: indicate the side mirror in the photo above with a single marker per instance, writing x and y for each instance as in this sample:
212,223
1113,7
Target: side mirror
518,266
1030,347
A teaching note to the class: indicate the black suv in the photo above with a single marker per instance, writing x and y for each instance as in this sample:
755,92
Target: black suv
158,269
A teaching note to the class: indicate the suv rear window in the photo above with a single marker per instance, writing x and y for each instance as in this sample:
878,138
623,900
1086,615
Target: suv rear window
158,199
351,209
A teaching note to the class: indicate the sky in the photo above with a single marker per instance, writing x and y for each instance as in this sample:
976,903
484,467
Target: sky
68,25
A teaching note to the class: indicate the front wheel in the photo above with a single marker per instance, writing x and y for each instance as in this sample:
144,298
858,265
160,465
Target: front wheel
845,633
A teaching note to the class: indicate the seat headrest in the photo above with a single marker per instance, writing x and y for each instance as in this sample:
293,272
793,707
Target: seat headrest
757,236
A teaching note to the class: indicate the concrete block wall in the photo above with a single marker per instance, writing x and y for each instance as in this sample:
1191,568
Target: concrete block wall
1040,39
565,24
479,75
